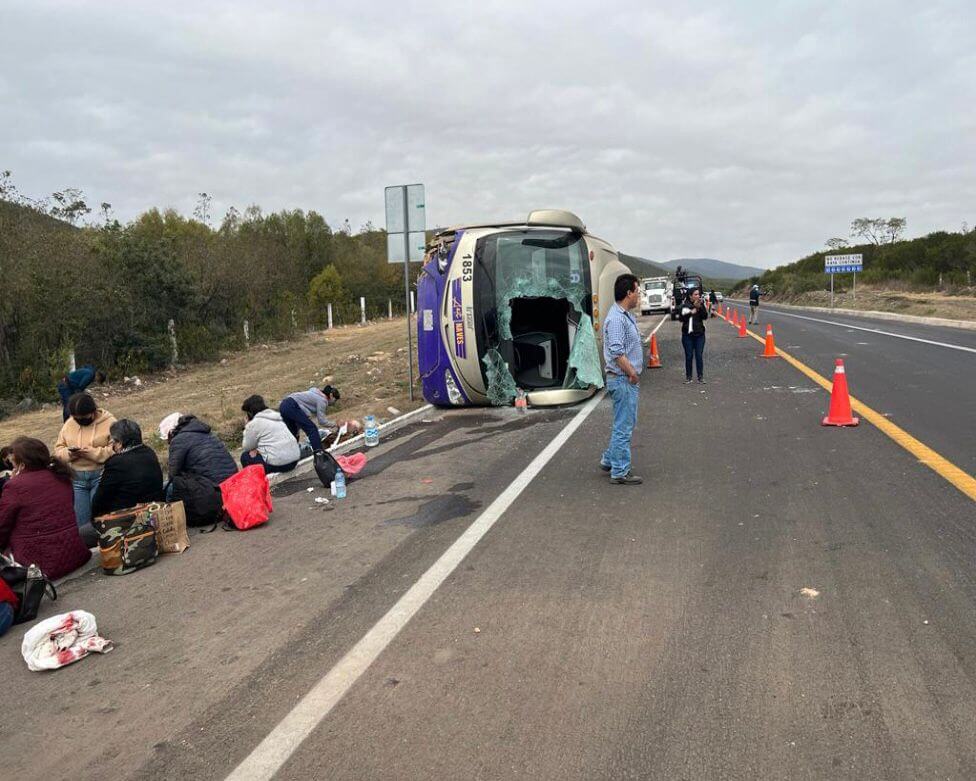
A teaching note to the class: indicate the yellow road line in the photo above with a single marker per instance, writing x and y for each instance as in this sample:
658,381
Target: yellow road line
964,481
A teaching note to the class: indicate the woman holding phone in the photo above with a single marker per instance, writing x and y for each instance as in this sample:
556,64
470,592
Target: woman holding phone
694,313
84,445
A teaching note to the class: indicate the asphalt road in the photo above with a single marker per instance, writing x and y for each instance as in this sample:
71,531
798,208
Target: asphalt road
927,389
594,631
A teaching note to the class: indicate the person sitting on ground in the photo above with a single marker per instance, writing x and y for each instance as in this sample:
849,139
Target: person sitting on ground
76,382
298,409
84,445
267,440
8,607
195,449
6,468
37,514
132,476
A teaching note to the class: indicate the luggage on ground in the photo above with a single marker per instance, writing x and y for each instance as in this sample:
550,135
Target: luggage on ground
126,540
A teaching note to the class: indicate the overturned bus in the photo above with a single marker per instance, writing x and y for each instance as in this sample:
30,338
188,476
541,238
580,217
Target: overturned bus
514,306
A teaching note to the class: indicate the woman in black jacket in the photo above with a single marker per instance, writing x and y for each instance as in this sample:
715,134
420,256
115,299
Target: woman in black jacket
132,476
693,314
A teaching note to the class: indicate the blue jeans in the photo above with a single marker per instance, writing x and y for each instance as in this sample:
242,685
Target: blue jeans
624,396
248,460
65,393
694,345
85,484
6,616
295,418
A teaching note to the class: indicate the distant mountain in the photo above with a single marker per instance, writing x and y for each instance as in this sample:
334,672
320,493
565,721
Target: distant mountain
643,267
716,269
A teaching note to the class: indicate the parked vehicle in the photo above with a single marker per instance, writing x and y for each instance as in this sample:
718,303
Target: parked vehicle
510,306
655,294
682,289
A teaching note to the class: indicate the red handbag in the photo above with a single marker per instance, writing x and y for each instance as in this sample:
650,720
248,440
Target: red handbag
247,497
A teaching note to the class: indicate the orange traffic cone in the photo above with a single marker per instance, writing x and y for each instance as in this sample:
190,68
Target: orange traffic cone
654,360
770,351
743,333
840,400
735,317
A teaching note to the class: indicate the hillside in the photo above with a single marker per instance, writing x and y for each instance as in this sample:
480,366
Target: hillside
643,267
713,269
941,261
367,364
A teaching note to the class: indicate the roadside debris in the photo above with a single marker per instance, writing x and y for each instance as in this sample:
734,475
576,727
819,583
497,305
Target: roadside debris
60,640
811,593
477,630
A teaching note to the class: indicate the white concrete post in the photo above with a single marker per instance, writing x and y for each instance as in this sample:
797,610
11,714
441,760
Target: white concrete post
71,361
247,334
330,316
389,308
413,304
362,310
175,355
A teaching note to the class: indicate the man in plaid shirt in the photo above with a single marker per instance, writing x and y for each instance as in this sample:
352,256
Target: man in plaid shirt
623,354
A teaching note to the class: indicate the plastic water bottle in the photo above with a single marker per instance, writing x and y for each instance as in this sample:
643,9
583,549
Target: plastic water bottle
372,431
521,401
340,483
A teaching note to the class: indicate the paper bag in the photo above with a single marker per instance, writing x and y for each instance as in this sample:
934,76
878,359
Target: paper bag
170,522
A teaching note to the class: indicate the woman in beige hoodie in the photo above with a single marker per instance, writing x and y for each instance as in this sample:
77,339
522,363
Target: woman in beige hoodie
84,445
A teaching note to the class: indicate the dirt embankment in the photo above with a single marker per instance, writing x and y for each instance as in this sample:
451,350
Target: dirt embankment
367,364
955,306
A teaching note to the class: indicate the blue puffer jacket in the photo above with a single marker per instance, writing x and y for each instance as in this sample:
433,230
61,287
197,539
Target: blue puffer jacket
193,448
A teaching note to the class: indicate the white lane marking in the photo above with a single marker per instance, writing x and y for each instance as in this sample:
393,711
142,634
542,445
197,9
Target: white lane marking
874,331
648,339
272,752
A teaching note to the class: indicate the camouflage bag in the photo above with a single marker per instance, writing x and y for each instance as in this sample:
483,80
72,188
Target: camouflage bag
126,540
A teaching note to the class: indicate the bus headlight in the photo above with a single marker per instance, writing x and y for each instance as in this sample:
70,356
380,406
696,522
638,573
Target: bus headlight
453,393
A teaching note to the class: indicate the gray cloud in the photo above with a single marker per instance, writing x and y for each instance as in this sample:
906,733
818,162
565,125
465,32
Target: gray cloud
745,131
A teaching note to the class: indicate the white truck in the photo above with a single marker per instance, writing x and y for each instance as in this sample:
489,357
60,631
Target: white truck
655,295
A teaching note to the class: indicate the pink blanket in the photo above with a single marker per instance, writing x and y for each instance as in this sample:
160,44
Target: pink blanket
352,465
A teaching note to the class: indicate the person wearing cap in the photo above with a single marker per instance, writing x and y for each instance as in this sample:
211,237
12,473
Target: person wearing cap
298,409
194,450
754,304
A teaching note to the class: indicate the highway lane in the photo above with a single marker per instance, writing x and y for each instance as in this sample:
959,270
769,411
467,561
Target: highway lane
927,389
663,631
658,631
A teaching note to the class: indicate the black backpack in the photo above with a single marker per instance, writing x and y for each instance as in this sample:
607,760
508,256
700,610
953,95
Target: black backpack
201,497
325,467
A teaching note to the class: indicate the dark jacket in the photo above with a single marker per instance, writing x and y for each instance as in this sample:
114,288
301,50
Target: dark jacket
37,523
693,321
754,297
130,478
193,448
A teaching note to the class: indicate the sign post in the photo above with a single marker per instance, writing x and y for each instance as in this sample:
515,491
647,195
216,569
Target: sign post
406,240
842,264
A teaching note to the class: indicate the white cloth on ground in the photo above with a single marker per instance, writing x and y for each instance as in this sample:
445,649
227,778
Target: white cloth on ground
60,640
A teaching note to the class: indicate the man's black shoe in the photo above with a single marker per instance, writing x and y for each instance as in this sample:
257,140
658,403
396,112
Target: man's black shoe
604,467
627,479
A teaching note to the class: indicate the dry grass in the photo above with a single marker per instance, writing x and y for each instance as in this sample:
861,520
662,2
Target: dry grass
961,306
367,363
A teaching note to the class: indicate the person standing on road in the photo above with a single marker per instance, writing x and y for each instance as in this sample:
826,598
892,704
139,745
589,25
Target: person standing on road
754,304
76,382
694,313
623,354
712,300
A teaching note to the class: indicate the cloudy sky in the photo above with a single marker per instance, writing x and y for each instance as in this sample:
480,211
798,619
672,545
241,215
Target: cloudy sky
749,131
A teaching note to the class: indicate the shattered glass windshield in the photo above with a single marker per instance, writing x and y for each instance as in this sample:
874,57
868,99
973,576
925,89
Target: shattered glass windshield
530,266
